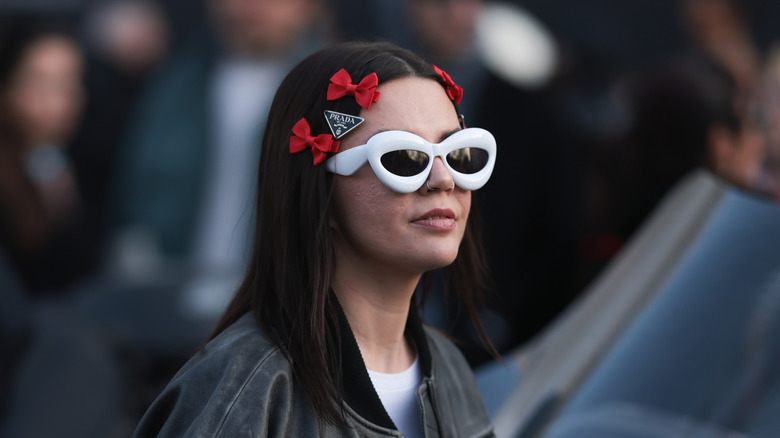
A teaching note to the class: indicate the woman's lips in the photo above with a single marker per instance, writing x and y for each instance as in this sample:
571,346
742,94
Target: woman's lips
442,219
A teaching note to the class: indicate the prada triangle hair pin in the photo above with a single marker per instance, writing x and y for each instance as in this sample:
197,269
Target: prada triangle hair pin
341,124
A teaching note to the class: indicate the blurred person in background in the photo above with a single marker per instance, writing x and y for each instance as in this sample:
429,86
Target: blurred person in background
764,112
125,41
131,35
686,113
55,357
721,30
185,170
699,108
530,206
14,327
685,108
41,98
57,378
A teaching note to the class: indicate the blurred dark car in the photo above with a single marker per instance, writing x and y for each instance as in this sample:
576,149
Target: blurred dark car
680,337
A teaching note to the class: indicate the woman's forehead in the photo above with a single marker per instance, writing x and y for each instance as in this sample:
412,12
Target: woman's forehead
412,104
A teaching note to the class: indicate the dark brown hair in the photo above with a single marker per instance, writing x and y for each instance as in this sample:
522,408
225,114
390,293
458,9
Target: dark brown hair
287,283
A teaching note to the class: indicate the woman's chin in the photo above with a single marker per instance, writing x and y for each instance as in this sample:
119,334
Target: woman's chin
439,260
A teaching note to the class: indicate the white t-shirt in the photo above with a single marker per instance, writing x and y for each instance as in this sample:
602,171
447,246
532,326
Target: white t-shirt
398,393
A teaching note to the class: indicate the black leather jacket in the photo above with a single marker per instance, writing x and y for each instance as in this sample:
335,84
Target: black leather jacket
241,385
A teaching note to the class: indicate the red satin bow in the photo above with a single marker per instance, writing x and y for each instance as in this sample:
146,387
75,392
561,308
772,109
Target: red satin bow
365,92
319,145
453,90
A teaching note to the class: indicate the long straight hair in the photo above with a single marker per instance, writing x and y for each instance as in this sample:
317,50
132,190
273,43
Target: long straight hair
288,279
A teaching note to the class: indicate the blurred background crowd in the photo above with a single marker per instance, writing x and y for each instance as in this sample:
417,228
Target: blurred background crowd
129,133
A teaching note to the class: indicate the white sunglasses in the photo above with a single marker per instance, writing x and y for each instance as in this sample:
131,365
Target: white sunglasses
402,160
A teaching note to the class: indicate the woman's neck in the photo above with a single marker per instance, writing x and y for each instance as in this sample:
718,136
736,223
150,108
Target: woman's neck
377,312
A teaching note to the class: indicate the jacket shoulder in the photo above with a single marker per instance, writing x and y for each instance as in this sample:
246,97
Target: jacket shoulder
447,357
456,394
225,389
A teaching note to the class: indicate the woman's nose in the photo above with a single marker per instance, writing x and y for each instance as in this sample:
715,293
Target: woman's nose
439,178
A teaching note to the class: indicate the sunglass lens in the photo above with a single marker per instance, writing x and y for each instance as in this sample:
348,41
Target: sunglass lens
405,162
468,160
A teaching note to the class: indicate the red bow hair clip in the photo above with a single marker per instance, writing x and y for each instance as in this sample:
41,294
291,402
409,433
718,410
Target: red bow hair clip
365,92
453,90
319,145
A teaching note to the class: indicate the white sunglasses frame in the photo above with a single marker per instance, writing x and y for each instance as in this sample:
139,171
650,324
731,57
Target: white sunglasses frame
349,161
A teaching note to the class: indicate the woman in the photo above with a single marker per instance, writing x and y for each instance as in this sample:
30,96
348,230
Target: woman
41,97
323,336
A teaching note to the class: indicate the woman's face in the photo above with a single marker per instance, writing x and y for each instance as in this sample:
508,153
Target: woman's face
46,91
376,228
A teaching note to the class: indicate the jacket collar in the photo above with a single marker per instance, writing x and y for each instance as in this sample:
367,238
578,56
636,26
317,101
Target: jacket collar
358,391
